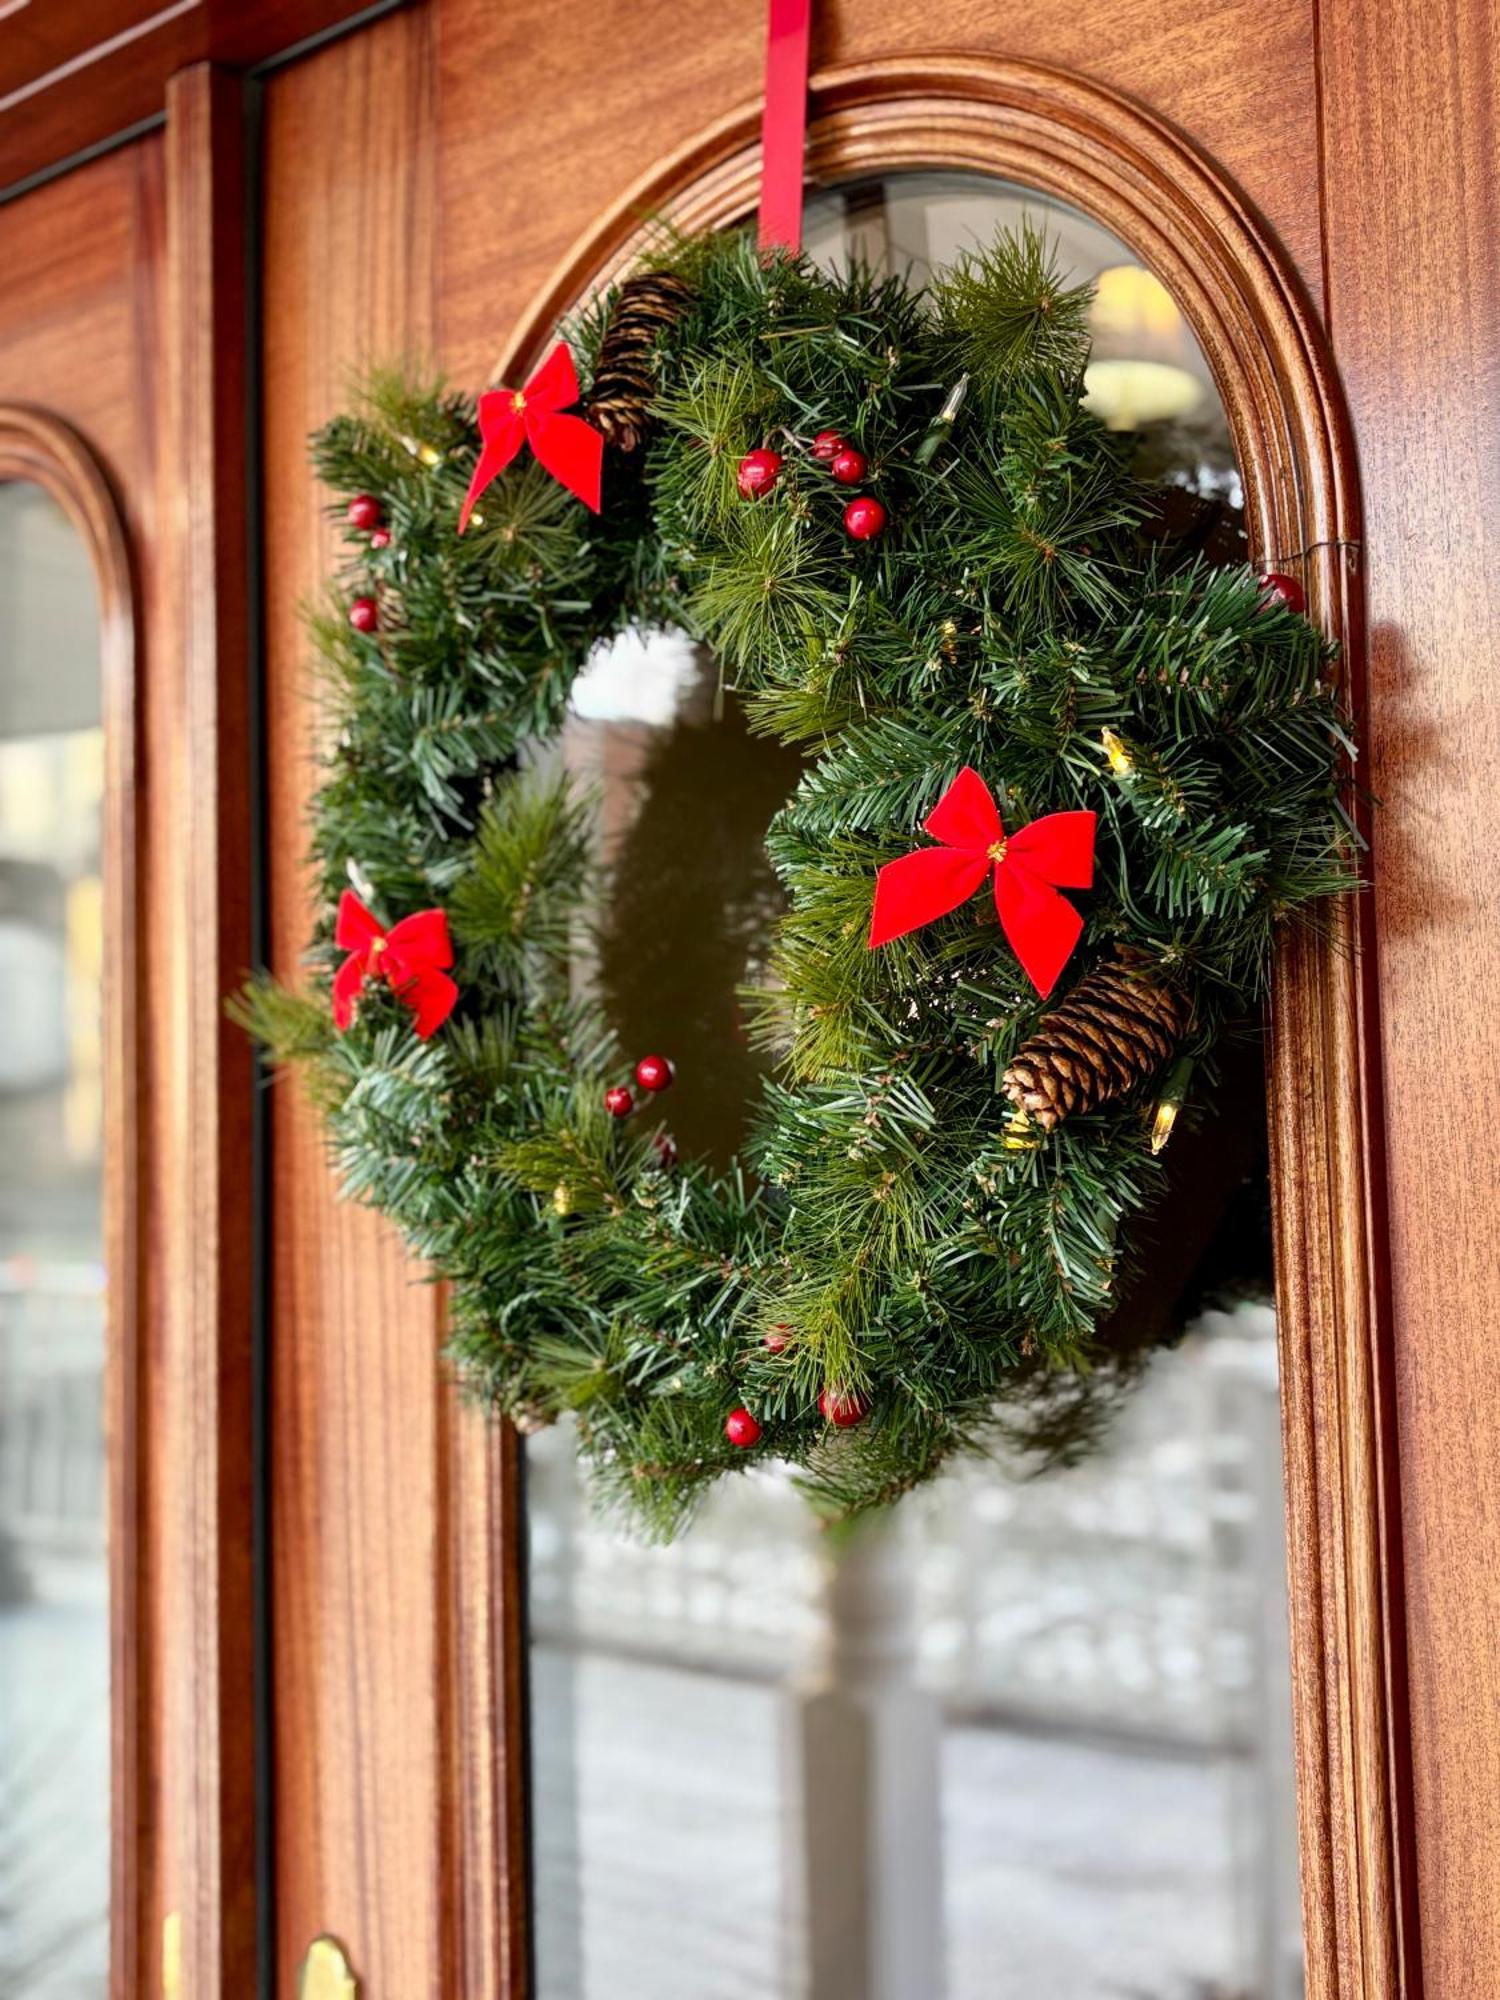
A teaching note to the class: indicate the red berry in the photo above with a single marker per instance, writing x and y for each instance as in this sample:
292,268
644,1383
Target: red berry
618,1101
666,1150
848,466
864,518
381,539
363,511
758,472
1279,588
778,1340
364,614
843,1407
826,444
741,1428
654,1073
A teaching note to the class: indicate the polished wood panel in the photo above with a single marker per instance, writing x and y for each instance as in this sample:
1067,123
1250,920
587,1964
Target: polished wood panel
383,1579
205,873
1410,109
80,316
39,36
74,75
484,1863
528,166
688,116
527,157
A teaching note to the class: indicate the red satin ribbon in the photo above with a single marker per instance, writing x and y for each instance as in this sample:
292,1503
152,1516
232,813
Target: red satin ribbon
784,124
1029,867
571,450
411,957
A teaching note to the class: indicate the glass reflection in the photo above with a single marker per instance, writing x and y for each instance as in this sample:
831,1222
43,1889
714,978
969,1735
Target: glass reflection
1025,1737
54,1655
688,895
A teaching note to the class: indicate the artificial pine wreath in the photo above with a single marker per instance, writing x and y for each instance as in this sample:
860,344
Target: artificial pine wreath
915,554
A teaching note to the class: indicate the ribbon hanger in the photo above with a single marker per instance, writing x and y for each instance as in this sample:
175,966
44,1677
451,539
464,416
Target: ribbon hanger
784,124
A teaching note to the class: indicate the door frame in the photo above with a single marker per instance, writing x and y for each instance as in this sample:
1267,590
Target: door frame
1131,171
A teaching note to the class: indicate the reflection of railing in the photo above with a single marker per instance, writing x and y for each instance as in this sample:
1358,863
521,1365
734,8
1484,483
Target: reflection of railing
935,1685
1126,1595
51,1434
54,1654
54,1840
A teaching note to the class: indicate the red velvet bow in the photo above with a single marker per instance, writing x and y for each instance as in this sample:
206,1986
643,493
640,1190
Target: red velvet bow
1056,852
571,450
410,957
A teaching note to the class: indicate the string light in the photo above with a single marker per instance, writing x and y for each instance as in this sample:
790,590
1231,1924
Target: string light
942,424
1120,760
1170,1102
427,454
1020,1135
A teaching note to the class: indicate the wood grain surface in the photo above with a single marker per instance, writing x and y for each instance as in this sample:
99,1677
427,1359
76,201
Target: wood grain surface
80,327
425,179
121,288
527,163
1412,207
76,75
522,167
357,1437
203,873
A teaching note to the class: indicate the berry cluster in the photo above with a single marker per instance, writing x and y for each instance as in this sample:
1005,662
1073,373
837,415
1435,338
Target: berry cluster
842,1408
864,516
366,515
652,1073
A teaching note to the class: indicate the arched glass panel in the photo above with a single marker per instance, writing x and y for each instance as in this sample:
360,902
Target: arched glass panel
54,1645
1025,1737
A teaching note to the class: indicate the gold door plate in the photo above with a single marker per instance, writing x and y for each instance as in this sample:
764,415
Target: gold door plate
171,1955
325,1973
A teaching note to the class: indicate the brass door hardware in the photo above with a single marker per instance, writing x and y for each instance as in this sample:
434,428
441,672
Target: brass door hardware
325,1973
171,1955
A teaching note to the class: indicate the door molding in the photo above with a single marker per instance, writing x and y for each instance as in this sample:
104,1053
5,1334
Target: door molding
40,449
1134,173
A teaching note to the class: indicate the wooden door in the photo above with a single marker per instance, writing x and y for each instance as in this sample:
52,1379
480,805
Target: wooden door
445,182
112,404
439,180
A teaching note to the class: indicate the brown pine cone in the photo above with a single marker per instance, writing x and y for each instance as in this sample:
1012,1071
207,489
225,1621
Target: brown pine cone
1119,1024
625,378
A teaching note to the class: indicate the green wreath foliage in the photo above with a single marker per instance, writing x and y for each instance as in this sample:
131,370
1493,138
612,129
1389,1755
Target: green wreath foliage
880,1226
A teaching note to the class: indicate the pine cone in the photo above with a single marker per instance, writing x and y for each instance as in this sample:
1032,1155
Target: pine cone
624,379
1119,1023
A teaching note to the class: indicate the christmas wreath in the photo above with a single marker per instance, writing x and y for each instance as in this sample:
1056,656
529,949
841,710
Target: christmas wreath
1061,787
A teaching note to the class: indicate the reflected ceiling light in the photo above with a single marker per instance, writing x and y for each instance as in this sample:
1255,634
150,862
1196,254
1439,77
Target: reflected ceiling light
1141,371
1127,394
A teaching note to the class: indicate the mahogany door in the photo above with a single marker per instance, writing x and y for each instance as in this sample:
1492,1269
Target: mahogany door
444,183
319,1703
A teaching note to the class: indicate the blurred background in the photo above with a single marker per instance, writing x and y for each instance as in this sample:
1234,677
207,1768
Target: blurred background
54,1625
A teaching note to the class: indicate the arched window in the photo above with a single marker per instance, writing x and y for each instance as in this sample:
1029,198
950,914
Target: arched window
68,1564
1165,1623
